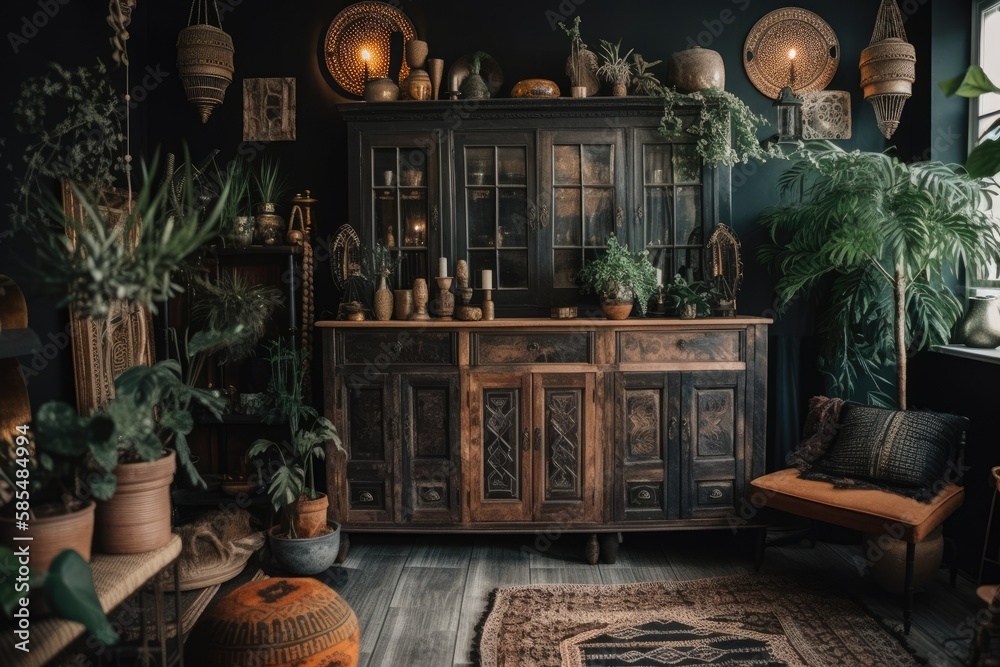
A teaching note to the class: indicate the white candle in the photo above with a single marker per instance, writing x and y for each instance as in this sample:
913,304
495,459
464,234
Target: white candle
443,267
487,279
659,276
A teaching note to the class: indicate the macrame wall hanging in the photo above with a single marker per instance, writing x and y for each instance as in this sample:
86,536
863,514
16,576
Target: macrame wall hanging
888,68
204,59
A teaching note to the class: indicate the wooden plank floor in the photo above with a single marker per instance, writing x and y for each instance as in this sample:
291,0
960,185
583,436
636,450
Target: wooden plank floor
419,598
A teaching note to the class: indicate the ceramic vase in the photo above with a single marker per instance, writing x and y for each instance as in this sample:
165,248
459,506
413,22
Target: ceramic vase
619,89
243,229
474,88
402,304
696,69
421,295
980,328
381,89
383,302
435,70
416,86
269,225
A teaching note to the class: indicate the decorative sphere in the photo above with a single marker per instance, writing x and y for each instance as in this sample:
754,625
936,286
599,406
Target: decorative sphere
294,237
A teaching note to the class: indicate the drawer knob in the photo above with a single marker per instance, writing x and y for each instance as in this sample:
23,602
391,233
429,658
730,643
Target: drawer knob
432,495
715,494
533,346
682,343
645,495
366,497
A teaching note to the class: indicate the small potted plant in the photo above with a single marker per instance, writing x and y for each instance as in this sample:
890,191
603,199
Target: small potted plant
305,542
271,187
691,299
236,208
620,278
615,68
644,82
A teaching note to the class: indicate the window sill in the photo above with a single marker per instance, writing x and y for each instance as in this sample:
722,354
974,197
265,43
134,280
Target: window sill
990,356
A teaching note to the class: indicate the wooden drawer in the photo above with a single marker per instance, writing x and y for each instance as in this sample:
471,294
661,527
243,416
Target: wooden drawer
636,347
386,348
533,348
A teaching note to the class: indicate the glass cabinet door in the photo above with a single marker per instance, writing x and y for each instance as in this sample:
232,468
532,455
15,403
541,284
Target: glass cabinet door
583,204
671,209
403,213
494,192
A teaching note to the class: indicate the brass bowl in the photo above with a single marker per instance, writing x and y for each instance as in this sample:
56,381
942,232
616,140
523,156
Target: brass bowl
535,88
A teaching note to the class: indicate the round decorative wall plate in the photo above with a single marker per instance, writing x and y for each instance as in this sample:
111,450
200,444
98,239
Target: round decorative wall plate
768,57
364,27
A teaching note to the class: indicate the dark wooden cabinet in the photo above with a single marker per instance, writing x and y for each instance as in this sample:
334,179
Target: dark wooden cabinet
530,189
590,425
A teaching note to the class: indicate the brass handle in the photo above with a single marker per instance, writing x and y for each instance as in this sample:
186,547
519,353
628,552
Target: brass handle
538,439
619,217
533,346
638,214
545,216
532,217
366,497
715,494
645,495
672,428
432,495
525,440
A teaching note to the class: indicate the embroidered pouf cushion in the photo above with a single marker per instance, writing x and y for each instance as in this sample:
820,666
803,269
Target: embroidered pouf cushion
273,622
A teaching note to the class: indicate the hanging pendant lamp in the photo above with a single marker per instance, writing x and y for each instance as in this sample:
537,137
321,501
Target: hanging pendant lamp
204,59
888,68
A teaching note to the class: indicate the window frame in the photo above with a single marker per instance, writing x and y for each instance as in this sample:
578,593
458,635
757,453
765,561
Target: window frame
991,284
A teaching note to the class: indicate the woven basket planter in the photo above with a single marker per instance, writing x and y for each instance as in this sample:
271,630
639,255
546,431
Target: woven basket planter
205,64
137,518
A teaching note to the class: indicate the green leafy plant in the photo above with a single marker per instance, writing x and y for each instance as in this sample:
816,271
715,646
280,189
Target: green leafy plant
235,303
619,272
237,201
615,68
699,293
379,260
270,182
644,82
875,236
984,160
308,434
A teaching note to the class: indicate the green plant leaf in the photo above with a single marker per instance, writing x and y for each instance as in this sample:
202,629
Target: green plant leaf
972,83
984,160
9,595
69,588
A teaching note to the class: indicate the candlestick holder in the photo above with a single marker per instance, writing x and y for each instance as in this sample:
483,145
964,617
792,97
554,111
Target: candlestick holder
446,300
465,312
489,308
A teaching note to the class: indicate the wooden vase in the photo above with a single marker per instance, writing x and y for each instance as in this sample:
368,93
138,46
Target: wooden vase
137,518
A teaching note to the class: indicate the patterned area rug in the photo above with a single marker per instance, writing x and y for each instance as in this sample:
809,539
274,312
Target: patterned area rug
746,620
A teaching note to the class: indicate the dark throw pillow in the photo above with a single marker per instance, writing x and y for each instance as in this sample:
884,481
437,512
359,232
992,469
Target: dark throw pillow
905,452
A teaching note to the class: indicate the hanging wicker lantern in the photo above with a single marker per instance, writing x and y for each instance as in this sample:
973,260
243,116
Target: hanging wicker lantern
888,68
204,59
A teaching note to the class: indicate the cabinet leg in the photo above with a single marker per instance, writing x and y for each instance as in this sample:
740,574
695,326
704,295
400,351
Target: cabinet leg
345,547
592,551
609,547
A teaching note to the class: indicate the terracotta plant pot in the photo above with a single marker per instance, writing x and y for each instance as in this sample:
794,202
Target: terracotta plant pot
311,515
137,518
51,535
616,309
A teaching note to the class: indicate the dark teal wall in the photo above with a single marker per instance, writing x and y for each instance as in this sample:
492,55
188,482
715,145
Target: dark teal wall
282,39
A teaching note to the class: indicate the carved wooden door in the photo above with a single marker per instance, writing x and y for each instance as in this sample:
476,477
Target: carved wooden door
500,447
371,437
568,473
712,442
647,426
431,457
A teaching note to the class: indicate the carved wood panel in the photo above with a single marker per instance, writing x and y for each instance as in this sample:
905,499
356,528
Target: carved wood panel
502,456
368,419
564,444
384,349
542,348
645,480
430,421
674,346
643,412
716,415
371,437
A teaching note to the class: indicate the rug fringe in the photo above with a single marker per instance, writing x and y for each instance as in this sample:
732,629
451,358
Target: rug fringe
477,635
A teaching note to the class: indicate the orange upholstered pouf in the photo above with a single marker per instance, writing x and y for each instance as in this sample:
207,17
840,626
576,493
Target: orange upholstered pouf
272,622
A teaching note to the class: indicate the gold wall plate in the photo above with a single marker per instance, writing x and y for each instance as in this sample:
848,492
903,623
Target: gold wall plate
364,26
766,52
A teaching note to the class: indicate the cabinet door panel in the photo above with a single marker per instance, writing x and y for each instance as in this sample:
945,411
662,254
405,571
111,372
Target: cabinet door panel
567,465
642,437
370,440
431,459
712,441
500,476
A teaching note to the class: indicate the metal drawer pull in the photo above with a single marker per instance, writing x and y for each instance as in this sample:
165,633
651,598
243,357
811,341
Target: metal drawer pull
538,439
525,440
366,497
715,494
619,217
533,346
431,495
645,495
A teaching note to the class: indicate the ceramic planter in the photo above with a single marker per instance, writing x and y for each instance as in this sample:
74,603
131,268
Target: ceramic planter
51,535
688,311
305,556
137,518
696,69
310,515
980,327
617,309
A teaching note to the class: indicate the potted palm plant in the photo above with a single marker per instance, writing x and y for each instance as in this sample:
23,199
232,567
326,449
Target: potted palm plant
620,278
271,187
615,68
877,236
305,542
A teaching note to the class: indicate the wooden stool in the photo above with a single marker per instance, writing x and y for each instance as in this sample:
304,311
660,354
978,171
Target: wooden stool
863,510
995,472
